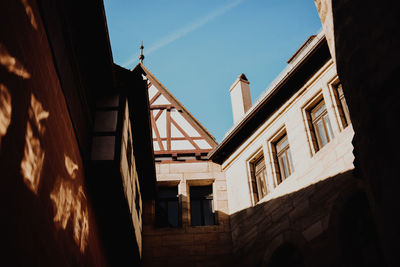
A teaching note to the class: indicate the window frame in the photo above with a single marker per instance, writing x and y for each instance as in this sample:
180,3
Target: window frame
272,142
256,186
289,160
314,140
341,107
158,223
321,117
137,197
202,199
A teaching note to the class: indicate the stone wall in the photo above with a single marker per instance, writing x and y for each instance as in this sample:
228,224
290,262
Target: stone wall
189,245
303,218
366,41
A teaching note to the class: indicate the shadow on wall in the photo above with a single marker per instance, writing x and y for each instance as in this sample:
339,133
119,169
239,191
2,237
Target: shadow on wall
46,216
328,223
47,219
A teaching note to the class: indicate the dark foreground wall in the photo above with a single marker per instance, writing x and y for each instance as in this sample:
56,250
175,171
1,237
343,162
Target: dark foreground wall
367,41
325,224
46,213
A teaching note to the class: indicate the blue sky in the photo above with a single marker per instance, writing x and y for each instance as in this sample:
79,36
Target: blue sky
198,48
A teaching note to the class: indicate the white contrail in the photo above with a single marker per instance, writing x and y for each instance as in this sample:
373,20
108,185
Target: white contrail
185,30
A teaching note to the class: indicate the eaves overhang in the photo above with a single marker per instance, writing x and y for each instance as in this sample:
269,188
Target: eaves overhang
132,85
294,79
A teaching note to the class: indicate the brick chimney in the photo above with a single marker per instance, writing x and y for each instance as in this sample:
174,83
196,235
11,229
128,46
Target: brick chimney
240,97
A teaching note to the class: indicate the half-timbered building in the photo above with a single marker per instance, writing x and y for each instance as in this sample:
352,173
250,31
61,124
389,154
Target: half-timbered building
188,223
177,135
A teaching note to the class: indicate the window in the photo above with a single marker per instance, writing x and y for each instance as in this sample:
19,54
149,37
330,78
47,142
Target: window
258,177
284,158
201,205
137,198
167,207
321,124
129,152
343,108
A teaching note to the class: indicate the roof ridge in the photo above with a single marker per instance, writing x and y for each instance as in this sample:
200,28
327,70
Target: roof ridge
148,72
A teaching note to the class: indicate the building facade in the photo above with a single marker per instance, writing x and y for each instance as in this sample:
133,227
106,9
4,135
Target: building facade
77,135
290,181
283,177
188,223
74,166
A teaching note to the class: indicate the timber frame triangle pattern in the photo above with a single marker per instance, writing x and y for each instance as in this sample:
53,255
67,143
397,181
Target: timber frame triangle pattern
176,133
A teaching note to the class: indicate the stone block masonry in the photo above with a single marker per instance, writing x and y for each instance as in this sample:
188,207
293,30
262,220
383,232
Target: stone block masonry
189,245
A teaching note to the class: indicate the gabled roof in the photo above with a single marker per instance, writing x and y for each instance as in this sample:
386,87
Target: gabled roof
175,130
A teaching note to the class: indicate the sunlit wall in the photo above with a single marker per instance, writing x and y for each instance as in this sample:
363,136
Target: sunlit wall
47,215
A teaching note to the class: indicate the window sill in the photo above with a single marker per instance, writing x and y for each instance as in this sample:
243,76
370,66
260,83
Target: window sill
280,189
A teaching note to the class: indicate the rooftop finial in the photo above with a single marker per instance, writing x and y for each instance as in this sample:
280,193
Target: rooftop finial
141,57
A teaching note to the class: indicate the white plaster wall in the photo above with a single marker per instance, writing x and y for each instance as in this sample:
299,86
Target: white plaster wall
162,124
203,144
184,124
309,167
161,100
152,91
238,188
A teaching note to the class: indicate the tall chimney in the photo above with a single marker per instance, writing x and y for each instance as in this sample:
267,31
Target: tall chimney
240,97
